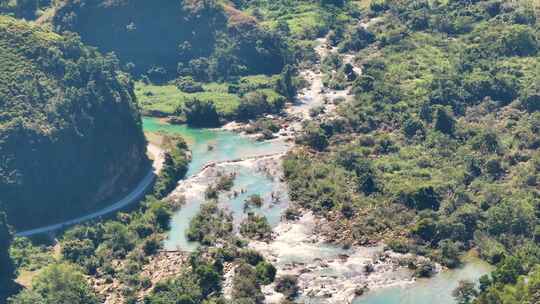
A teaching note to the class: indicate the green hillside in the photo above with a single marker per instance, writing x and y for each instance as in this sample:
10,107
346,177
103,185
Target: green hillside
437,153
416,141
205,39
70,132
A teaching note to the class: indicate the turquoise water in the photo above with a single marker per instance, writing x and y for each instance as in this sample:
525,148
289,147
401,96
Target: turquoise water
225,145
436,290
230,146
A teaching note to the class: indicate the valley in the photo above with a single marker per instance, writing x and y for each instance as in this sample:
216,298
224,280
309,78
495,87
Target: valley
261,151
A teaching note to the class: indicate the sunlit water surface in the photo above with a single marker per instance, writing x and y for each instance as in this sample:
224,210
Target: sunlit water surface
228,145
225,146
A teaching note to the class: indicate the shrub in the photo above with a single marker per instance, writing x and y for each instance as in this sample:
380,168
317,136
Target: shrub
256,227
288,286
58,283
252,105
314,136
413,127
423,197
424,270
444,121
210,225
188,85
201,113
266,273
246,286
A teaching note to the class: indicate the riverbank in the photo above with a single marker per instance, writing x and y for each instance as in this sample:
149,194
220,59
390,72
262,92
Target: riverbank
327,272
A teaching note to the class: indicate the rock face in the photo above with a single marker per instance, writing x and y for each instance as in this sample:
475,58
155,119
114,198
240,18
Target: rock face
70,134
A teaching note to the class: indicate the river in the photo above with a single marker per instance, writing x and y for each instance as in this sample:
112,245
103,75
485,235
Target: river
220,146
327,273
295,246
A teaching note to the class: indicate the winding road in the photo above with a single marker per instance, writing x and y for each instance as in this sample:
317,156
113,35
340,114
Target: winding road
129,199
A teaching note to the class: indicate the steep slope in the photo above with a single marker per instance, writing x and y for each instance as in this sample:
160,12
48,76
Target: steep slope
440,141
70,132
160,38
6,265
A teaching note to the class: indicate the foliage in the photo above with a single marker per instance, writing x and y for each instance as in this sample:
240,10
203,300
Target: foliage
58,283
256,93
201,113
255,227
175,165
465,292
210,225
256,103
285,84
314,136
27,256
246,287
211,41
440,131
288,286
188,85
195,285
66,110
266,272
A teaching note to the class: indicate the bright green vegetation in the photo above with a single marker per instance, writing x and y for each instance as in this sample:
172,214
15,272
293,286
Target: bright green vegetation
201,281
96,249
58,284
211,225
69,125
248,97
167,99
525,290
219,53
435,155
443,131
300,19
130,238
29,257
175,165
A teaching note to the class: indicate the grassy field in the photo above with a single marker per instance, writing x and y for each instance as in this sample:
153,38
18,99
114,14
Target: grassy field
166,99
305,19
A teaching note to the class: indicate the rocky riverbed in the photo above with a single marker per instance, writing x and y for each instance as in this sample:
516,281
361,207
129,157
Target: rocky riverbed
328,273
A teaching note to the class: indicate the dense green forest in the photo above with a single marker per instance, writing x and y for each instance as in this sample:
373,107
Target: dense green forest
435,154
95,248
69,125
202,39
443,131
230,56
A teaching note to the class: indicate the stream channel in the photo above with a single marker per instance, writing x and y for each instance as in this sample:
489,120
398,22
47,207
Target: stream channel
326,273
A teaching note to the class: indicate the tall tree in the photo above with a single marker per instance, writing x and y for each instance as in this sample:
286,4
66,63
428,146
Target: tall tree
285,84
